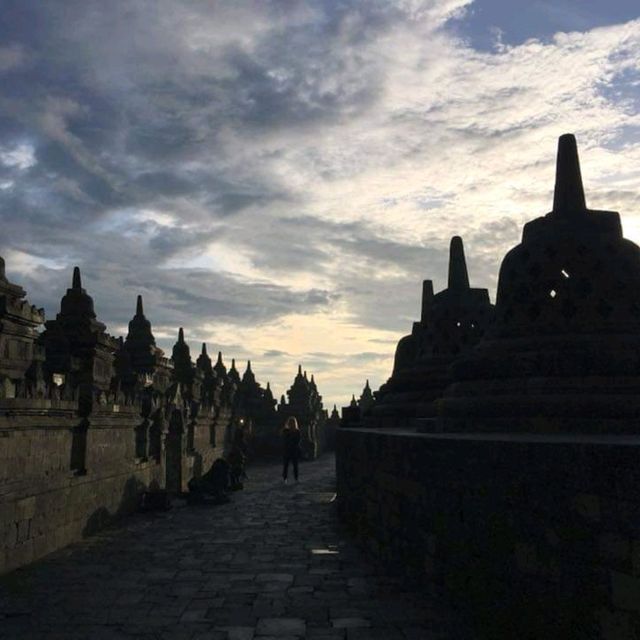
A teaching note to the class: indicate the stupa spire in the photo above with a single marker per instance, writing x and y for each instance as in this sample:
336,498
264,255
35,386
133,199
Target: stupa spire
181,335
77,302
568,195
77,280
458,276
427,298
140,330
204,349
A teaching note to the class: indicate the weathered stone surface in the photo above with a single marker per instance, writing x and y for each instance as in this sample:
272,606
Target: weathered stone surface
199,572
625,591
532,535
278,627
89,423
350,623
70,462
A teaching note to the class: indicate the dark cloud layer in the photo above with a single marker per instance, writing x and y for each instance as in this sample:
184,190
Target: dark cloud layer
125,105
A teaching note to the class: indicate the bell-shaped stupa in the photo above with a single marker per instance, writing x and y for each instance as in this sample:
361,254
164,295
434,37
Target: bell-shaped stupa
452,322
563,354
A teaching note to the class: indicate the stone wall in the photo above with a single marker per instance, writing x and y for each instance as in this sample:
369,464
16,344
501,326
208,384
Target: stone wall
210,441
531,536
47,502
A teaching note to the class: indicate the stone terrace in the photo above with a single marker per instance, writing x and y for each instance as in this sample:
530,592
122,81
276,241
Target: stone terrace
273,563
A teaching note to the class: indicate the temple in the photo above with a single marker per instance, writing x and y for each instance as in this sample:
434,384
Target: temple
147,363
255,405
89,422
331,427
499,462
305,404
562,353
78,348
366,400
452,322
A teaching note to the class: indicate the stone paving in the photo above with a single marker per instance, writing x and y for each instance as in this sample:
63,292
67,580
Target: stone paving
273,563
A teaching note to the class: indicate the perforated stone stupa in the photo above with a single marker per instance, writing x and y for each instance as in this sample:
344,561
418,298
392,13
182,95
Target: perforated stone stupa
77,344
563,354
452,322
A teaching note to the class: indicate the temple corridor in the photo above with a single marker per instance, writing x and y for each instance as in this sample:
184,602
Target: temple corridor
273,563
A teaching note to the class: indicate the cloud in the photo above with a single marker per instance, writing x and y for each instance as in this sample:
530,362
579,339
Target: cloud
280,176
274,353
21,156
12,58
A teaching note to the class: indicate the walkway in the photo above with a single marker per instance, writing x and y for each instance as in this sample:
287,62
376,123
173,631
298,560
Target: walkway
271,564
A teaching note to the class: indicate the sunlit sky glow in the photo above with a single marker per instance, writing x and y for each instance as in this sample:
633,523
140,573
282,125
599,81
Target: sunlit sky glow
278,176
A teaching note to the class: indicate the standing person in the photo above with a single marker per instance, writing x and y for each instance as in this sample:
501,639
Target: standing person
291,447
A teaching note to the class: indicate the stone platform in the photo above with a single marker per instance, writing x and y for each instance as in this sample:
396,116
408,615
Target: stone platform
273,563
532,535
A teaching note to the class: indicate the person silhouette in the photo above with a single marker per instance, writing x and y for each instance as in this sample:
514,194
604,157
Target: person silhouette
290,448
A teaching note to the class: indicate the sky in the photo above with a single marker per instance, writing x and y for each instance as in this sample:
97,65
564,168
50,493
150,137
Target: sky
279,176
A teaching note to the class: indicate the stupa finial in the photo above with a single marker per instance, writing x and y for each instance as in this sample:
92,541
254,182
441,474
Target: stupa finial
139,309
427,298
458,276
568,196
77,280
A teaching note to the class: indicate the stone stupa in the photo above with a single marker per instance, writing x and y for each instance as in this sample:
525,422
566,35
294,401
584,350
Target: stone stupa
452,322
563,354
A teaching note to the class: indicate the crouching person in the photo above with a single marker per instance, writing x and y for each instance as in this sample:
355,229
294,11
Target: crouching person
213,486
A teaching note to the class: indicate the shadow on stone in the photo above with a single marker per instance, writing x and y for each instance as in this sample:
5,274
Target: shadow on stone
129,502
